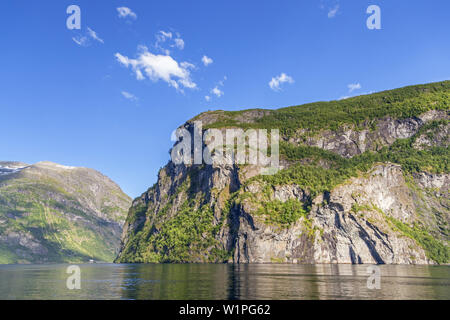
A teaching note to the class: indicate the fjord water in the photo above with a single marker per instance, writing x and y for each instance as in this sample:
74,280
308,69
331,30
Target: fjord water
222,281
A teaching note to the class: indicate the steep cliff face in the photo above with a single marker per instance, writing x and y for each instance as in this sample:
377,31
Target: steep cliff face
55,213
360,221
348,141
367,184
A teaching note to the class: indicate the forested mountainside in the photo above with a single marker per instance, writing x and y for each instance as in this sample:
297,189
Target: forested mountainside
53,213
362,180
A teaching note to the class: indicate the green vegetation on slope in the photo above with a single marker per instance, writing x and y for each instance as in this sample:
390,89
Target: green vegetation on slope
399,103
317,179
27,209
49,214
434,249
281,213
189,234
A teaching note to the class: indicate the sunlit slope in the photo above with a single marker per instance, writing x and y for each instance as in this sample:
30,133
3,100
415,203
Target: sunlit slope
54,213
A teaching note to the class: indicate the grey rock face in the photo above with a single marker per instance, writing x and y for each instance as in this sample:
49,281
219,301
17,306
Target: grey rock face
341,234
353,223
348,141
440,137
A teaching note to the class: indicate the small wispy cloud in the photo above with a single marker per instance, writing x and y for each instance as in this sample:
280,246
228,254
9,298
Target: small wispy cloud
94,35
81,40
332,7
187,65
276,82
222,82
207,60
217,91
167,38
353,86
333,11
179,43
129,96
84,40
162,36
125,12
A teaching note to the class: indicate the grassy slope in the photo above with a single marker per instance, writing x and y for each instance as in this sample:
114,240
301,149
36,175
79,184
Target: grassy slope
398,103
55,219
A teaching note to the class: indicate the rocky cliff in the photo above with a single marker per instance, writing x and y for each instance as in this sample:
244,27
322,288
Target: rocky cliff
54,213
362,180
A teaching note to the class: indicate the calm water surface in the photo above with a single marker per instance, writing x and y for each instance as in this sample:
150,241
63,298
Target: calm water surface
203,281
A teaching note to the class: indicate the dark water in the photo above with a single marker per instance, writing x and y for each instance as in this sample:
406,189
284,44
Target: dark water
198,281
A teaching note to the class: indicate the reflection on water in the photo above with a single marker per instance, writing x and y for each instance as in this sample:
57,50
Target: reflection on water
222,281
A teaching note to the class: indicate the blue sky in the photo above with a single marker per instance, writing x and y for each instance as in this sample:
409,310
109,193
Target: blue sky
111,100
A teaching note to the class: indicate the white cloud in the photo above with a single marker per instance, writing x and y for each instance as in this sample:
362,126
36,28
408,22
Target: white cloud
353,86
179,43
276,82
207,60
217,91
139,74
129,96
81,40
84,40
94,35
187,65
159,67
125,12
163,35
333,11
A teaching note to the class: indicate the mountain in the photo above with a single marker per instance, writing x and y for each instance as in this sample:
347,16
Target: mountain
52,213
361,180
